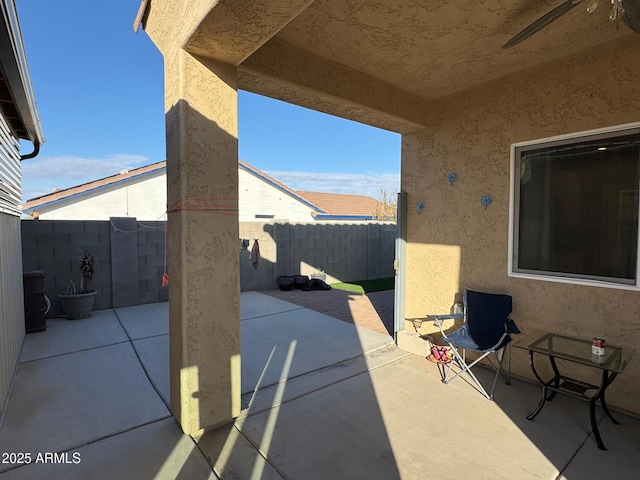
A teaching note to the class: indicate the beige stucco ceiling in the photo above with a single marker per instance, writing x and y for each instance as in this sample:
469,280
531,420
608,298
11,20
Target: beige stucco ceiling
376,61
435,48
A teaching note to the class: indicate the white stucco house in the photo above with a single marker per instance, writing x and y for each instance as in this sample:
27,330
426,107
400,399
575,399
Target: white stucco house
142,193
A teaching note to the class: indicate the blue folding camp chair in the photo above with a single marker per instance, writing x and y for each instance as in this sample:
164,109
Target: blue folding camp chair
487,330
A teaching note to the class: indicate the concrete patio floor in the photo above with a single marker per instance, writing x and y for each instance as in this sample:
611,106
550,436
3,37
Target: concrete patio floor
322,399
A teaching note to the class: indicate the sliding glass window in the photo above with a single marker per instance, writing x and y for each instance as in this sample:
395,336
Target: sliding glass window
575,212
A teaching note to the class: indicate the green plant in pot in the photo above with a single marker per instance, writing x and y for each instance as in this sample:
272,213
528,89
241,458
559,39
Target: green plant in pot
319,274
78,302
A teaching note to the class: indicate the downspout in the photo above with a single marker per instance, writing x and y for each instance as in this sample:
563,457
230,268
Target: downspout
36,150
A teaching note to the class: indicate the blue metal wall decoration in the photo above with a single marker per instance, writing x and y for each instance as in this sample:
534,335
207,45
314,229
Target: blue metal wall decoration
452,177
420,206
485,201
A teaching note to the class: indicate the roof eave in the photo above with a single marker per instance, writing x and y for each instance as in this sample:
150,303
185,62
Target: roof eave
329,216
44,201
13,60
268,180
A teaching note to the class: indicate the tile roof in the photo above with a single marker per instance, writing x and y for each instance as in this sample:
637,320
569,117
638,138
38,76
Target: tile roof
342,204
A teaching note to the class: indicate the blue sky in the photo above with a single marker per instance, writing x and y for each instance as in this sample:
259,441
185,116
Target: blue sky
99,90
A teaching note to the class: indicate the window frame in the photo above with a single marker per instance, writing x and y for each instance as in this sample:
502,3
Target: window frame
514,211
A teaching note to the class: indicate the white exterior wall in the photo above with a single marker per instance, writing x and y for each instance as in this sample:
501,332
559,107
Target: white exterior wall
12,329
19,95
10,171
256,197
144,199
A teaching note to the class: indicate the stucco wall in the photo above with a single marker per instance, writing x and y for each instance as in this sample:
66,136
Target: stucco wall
142,198
11,301
255,197
455,243
145,198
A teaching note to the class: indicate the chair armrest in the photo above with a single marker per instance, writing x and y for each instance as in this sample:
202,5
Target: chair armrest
448,316
441,318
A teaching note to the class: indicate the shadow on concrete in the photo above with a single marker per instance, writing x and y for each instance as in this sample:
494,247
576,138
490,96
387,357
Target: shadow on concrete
294,424
289,356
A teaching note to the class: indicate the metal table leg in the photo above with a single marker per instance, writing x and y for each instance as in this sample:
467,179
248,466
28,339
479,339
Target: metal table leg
556,378
607,379
543,398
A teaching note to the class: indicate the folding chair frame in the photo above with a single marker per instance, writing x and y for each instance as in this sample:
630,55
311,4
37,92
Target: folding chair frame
459,358
460,361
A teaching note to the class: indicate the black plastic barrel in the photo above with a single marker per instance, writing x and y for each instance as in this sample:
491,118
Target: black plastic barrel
35,305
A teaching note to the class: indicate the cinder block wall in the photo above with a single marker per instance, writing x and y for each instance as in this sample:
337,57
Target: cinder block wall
129,255
129,258
52,246
151,236
264,277
345,252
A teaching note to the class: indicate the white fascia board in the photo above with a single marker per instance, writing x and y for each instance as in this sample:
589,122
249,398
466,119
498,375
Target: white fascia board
16,71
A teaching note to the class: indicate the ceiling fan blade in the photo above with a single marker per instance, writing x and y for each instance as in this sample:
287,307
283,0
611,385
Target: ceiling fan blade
542,22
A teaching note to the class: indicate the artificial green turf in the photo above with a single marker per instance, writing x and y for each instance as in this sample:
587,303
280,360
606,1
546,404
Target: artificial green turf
366,286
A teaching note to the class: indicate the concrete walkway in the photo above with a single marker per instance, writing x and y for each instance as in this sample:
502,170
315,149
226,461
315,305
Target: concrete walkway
373,311
322,399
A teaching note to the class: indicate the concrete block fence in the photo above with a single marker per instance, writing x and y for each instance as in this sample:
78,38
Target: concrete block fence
345,252
129,258
129,255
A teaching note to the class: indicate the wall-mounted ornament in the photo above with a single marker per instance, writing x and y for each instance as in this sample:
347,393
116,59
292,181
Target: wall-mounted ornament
420,207
452,177
485,201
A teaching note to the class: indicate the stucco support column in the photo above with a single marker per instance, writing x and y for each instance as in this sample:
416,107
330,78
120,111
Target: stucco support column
434,255
202,239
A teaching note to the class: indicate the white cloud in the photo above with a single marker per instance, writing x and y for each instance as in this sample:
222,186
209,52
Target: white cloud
42,175
65,168
368,183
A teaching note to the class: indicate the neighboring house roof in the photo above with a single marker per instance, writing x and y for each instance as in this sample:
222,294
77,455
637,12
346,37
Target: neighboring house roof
325,206
64,194
342,205
275,183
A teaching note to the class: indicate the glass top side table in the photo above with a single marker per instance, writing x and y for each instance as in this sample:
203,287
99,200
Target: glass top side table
577,350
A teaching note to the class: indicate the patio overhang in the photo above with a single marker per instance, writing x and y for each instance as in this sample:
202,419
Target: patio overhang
435,72
320,53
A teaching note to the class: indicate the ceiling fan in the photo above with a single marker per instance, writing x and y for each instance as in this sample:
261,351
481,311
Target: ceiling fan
626,10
